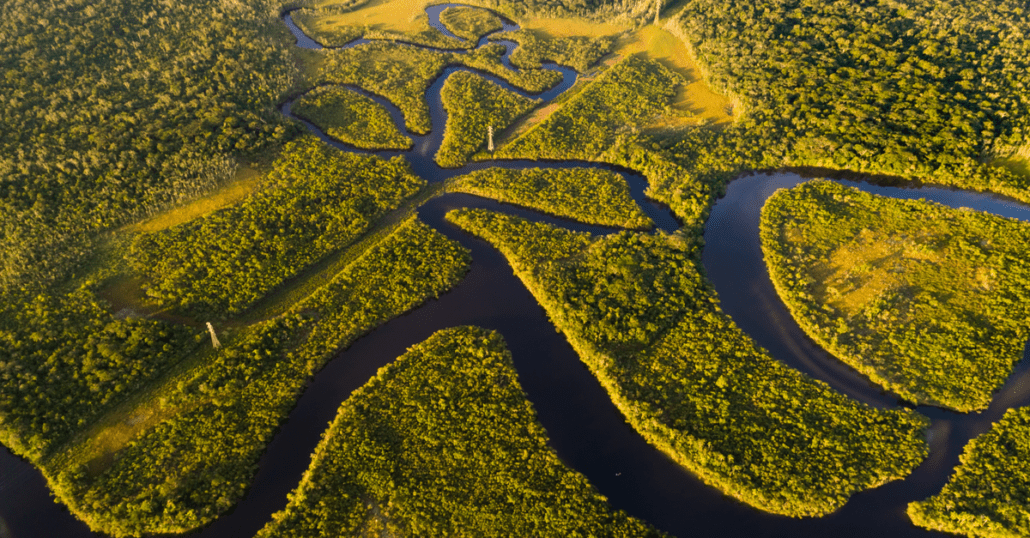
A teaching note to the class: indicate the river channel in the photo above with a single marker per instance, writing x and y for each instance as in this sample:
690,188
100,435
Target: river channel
585,428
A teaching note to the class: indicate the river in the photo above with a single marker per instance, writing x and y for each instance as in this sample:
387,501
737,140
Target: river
585,428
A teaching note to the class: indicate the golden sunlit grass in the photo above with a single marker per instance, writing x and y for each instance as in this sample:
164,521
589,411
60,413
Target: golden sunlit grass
695,101
327,22
1017,161
246,181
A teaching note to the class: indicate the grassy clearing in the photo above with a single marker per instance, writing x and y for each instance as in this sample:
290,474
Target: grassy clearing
640,316
442,442
584,194
351,118
335,23
695,102
245,182
927,301
989,494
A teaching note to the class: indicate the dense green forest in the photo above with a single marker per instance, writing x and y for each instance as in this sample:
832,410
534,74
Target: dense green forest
442,442
64,359
929,302
351,118
114,110
640,316
221,416
989,494
473,106
402,74
924,89
588,195
317,199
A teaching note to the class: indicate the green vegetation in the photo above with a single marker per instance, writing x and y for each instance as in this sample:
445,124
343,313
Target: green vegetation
333,23
639,314
351,118
927,89
928,301
402,74
222,414
470,23
473,105
988,495
317,199
577,52
66,359
585,194
115,110
443,442
619,101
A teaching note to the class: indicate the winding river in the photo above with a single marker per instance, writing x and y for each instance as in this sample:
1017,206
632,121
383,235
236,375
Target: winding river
585,428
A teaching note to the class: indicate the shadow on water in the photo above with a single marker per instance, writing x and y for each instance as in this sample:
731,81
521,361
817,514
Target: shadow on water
585,428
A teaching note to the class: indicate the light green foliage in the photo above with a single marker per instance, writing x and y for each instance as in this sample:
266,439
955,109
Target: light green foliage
113,110
989,494
623,98
470,23
335,36
444,443
402,74
186,470
538,242
577,52
351,118
921,89
639,314
473,104
316,200
65,359
585,194
928,301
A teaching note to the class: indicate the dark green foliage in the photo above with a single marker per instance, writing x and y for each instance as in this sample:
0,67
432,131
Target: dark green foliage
928,301
920,88
402,74
621,99
470,23
351,118
473,104
588,195
577,52
191,467
443,442
642,319
316,200
65,359
989,494
113,110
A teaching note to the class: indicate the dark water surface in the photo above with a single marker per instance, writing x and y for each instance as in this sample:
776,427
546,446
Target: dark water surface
585,428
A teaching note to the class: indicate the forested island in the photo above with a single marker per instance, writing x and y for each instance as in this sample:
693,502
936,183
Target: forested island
204,204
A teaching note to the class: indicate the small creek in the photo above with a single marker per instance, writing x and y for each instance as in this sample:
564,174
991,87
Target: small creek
585,428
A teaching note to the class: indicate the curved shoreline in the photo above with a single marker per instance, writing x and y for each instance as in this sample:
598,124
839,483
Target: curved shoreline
586,430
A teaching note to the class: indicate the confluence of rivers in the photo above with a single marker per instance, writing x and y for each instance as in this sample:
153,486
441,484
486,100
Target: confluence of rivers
585,428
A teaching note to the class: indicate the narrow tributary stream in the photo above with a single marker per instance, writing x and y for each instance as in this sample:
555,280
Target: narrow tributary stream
585,428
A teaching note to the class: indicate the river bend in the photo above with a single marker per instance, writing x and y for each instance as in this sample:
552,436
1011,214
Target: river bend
585,428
